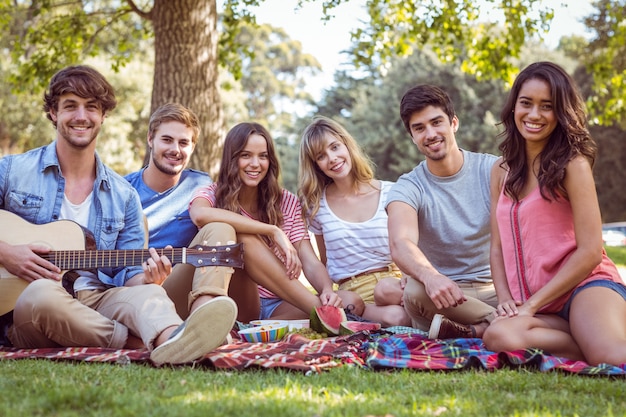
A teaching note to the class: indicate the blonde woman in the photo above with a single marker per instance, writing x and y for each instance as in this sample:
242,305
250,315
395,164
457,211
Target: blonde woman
345,208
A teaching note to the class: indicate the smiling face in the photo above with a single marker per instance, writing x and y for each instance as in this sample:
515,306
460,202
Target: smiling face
253,161
334,158
534,114
78,120
171,147
433,132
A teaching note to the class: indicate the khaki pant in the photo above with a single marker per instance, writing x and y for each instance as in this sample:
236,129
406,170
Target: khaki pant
186,283
481,302
45,315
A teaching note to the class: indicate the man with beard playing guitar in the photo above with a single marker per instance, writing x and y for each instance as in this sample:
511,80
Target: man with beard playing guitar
67,180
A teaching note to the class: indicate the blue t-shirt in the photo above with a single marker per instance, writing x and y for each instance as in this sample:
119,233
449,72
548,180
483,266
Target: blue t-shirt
167,212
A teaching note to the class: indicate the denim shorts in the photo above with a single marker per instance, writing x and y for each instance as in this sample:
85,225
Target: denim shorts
618,287
268,305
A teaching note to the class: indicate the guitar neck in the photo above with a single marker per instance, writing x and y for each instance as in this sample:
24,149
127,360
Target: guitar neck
92,259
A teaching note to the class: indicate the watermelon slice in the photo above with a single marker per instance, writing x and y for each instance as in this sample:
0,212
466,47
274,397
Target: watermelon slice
349,327
327,319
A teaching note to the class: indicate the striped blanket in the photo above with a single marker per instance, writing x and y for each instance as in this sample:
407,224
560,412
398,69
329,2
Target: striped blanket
374,351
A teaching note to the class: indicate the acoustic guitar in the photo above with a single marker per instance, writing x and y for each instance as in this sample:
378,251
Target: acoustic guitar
72,248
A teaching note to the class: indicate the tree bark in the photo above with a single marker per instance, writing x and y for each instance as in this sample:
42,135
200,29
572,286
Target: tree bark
186,70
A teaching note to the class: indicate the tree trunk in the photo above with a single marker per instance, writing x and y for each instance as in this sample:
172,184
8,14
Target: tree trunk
186,70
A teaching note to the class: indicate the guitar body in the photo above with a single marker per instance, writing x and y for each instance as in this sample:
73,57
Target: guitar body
59,235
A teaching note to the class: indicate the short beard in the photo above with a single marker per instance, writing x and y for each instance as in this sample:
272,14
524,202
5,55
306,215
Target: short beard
164,168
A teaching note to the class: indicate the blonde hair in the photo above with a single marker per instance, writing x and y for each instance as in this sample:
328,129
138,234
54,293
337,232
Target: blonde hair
311,179
174,112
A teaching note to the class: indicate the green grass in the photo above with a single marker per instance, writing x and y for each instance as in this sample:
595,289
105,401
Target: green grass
47,388
617,254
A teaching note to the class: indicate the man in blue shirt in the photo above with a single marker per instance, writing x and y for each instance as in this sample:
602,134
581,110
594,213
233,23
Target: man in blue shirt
165,187
67,181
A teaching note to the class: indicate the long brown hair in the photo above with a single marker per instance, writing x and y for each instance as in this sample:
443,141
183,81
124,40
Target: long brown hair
570,138
229,183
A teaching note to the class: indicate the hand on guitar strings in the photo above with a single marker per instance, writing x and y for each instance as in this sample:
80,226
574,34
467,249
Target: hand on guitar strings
156,268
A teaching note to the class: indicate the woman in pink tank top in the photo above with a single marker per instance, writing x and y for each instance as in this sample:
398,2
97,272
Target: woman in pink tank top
557,289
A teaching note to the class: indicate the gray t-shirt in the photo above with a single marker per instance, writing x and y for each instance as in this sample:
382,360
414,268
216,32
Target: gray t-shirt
453,216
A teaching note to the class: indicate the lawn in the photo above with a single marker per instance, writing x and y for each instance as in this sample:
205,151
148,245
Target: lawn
47,388
63,389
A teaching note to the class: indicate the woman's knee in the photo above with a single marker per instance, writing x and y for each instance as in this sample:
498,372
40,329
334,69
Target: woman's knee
352,302
395,315
500,338
613,355
388,292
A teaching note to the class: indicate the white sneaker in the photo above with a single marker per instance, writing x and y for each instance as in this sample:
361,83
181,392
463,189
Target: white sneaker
205,329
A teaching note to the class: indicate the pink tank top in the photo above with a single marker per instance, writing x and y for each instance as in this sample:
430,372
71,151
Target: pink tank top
537,238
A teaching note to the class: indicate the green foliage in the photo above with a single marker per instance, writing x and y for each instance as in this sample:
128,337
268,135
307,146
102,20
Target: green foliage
234,17
288,157
459,31
46,36
64,389
605,58
22,123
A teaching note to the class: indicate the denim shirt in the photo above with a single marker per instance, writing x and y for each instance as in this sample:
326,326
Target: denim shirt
32,186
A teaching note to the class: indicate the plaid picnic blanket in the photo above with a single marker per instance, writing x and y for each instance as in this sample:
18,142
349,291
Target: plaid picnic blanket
418,352
383,350
294,352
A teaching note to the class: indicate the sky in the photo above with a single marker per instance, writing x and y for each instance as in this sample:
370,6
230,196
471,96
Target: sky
326,40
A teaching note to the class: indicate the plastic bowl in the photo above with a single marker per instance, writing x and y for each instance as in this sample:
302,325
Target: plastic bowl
293,324
298,324
273,323
267,333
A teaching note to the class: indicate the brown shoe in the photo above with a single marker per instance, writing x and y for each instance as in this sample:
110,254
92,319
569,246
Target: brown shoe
443,328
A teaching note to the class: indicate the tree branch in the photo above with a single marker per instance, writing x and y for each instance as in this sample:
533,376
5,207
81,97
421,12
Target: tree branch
134,8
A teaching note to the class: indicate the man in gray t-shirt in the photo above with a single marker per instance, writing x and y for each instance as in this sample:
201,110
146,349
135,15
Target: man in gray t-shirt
439,223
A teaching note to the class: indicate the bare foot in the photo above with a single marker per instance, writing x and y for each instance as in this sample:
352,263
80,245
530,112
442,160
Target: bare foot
480,328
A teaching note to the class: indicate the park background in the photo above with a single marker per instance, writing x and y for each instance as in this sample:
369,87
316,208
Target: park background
279,85
283,61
